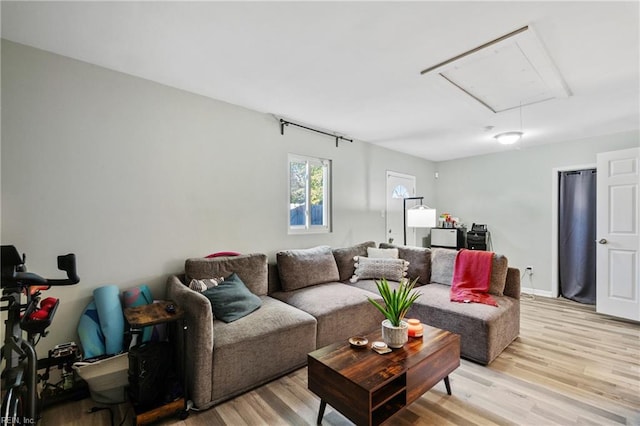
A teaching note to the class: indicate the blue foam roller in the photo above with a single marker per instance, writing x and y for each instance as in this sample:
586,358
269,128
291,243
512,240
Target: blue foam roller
90,333
111,317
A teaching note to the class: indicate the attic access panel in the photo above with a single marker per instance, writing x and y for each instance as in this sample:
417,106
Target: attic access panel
506,73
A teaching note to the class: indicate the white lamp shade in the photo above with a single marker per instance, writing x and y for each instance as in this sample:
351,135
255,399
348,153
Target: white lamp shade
421,217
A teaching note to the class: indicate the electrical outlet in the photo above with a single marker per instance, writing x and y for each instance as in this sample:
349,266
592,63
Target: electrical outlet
529,270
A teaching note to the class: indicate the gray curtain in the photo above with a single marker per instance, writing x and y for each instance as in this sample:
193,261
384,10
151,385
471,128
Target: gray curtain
576,235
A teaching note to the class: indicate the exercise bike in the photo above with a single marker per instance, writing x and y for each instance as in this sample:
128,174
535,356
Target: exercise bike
21,401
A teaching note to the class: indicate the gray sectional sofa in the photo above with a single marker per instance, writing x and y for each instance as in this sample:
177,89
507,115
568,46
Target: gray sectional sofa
308,301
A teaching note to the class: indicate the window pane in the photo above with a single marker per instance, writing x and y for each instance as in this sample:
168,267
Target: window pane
309,198
298,194
400,192
317,194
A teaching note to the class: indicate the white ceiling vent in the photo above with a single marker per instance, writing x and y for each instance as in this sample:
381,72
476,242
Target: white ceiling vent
509,72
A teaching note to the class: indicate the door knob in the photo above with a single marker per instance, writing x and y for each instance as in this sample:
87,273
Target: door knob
602,241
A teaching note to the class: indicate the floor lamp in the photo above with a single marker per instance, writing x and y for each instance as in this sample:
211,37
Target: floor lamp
420,216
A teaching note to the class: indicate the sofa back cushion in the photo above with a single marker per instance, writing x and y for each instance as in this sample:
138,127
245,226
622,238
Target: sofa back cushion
498,274
306,267
443,261
344,258
250,268
419,259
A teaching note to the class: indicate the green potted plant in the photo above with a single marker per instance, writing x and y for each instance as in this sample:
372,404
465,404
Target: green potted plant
396,305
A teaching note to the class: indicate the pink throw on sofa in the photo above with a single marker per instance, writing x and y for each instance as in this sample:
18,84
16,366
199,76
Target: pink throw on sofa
472,276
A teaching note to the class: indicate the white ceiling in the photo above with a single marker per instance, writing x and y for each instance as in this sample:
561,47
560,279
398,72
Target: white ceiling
354,67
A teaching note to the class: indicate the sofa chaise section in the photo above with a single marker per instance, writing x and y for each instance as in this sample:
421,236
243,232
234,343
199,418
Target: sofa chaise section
485,331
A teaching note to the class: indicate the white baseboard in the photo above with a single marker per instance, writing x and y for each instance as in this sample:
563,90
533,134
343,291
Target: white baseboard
536,292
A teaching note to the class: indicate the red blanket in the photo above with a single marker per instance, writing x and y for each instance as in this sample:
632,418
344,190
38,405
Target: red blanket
472,276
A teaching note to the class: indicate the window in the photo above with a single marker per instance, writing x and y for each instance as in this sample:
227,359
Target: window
309,194
400,192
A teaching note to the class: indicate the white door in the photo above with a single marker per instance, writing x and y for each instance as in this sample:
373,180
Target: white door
617,263
399,186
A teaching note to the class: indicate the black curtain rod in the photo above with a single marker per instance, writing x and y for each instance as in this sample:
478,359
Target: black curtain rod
286,123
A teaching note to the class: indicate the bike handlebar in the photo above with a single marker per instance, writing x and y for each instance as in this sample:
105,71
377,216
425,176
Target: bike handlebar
66,263
17,276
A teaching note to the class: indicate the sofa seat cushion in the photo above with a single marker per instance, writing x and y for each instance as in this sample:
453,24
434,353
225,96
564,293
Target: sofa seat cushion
484,330
341,310
370,286
276,332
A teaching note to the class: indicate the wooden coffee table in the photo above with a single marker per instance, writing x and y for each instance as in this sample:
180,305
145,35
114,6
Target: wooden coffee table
369,388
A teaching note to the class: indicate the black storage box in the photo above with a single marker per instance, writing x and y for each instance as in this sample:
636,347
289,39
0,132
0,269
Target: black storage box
477,240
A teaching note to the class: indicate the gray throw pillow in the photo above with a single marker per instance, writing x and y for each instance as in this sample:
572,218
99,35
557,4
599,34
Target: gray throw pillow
378,268
231,299
306,267
382,253
442,262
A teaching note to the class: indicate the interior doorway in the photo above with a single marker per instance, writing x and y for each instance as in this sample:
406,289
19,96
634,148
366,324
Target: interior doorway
577,235
555,225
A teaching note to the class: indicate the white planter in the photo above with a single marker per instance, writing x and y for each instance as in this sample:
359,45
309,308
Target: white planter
395,337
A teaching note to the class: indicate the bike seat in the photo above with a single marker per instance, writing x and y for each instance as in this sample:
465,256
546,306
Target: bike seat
29,278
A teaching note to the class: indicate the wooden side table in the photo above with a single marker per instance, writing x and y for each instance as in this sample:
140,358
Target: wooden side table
159,313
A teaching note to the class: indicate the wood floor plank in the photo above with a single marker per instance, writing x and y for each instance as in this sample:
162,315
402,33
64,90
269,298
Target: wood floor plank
569,366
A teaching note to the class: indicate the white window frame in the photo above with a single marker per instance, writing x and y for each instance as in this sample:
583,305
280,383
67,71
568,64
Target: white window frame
308,228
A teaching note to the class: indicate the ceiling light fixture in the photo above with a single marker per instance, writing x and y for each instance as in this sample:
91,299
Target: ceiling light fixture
508,138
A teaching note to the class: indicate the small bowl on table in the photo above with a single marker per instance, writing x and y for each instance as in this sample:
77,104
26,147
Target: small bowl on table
358,342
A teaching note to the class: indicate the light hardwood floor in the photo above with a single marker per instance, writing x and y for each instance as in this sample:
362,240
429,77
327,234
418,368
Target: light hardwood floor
570,366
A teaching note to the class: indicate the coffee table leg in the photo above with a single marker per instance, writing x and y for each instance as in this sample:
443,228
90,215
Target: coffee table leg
323,405
447,385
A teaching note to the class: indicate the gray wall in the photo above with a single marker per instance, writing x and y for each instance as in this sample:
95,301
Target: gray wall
134,177
512,192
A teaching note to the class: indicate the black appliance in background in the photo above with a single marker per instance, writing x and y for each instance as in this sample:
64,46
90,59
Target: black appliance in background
477,237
